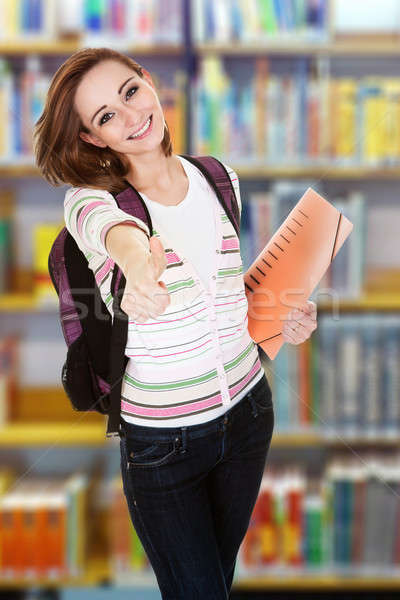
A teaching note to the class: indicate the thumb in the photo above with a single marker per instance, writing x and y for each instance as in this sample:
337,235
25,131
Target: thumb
158,258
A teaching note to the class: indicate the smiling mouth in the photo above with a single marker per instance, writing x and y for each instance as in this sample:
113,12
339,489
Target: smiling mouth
142,130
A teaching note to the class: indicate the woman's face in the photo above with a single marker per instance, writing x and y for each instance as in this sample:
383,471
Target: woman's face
115,103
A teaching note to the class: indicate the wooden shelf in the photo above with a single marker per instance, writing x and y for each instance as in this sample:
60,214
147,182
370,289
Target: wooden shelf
314,439
320,582
293,47
167,50
66,47
98,572
70,433
19,170
278,46
261,172
25,303
80,433
21,47
314,172
373,301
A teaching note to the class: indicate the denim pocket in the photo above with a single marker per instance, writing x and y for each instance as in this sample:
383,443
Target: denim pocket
262,395
148,453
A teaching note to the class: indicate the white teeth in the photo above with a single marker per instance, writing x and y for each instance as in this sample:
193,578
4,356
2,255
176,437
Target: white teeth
141,131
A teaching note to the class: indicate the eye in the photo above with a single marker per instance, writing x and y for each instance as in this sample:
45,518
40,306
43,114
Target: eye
128,93
102,121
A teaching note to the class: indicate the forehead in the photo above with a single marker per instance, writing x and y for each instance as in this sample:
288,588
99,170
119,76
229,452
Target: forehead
100,86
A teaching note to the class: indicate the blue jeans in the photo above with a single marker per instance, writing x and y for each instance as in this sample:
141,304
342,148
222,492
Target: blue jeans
191,491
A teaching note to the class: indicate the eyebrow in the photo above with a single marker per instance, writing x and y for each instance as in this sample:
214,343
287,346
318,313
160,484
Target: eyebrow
105,105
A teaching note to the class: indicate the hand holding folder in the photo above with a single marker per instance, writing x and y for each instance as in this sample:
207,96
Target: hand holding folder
291,265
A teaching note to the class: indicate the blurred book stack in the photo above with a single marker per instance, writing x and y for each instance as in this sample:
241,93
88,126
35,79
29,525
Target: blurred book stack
334,525
43,528
307,118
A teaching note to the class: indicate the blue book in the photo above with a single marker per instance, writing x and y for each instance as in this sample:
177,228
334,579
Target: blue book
209,23
236,21
279,18
92,15
36,15
301,80
370,373
390,374
17,126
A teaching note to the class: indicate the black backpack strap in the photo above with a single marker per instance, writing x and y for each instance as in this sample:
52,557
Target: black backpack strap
118,359
131,202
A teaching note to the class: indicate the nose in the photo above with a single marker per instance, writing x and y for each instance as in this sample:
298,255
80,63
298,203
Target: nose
132,120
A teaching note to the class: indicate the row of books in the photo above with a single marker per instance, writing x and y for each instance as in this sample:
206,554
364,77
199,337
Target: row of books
265,211
43,526
125,22
7,212
9,375
344,381
334,524
297,118
43,236
301,523
23,97
257,21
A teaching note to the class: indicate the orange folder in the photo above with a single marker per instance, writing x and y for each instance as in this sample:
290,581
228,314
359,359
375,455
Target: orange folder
291,265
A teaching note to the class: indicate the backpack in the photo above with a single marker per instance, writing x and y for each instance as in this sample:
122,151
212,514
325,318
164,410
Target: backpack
95,364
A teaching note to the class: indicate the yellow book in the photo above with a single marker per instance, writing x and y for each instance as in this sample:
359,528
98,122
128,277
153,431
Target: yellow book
374,107
10,10
44,235
391,123
345,121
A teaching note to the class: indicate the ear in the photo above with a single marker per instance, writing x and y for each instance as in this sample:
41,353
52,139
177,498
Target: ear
92,139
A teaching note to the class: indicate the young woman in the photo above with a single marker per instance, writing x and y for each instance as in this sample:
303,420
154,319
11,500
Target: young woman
196,409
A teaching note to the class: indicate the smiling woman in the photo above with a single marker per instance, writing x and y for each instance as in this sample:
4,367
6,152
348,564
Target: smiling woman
193,408
84,143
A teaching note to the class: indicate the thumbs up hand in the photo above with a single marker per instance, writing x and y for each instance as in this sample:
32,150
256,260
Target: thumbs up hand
144,296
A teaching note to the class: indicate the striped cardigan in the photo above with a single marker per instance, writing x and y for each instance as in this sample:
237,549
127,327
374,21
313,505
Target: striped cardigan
197,359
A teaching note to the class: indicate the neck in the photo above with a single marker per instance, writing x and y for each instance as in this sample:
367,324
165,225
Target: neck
152,170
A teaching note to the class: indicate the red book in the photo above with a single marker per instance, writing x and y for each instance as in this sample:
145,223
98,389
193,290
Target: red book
55,536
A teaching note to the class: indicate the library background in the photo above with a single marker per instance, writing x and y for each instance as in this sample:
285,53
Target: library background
291,94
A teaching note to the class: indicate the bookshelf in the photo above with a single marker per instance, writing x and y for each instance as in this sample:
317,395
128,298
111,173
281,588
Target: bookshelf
70,430
80,433
26,302
340,48
97,573
249,172
317,582
66,47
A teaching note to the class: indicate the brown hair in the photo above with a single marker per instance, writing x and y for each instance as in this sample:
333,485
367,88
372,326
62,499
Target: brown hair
61,155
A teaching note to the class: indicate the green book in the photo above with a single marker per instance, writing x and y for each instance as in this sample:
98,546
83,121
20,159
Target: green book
267,16
5,255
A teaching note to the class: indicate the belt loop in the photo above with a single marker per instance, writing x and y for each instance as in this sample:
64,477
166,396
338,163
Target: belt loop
253,404
184,440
